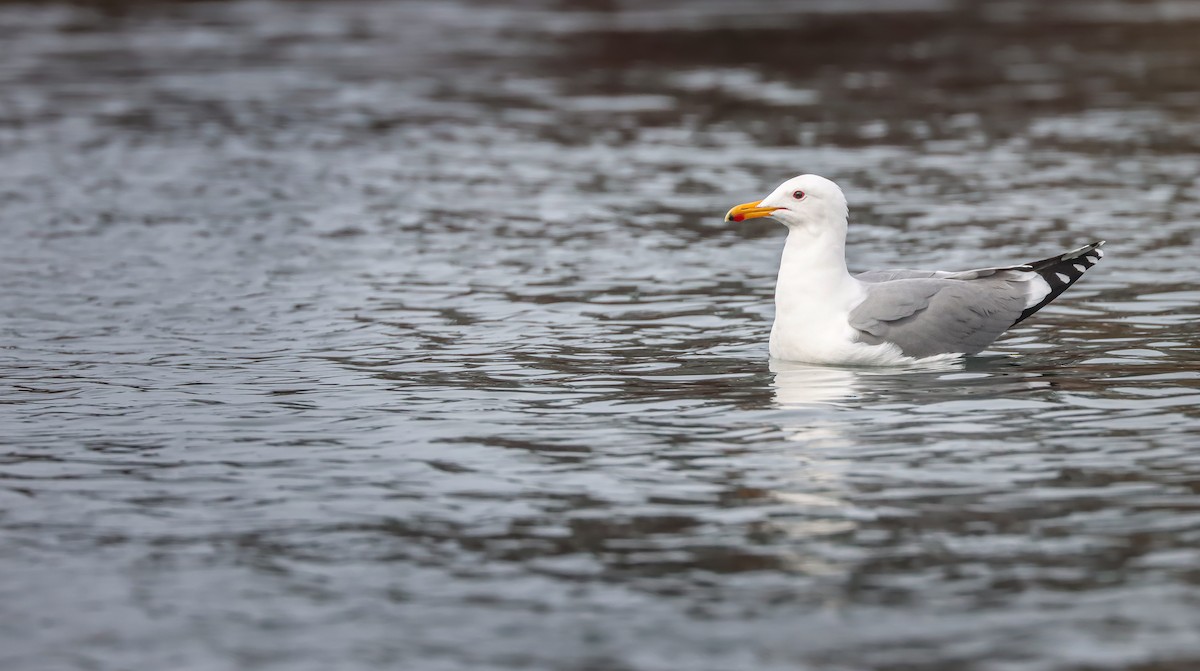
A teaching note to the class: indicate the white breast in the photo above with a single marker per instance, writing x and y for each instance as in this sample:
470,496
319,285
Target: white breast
813,326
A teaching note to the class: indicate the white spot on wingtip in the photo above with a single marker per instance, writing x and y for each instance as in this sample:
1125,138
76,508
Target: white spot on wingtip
1039,288
1063,278
1091,259
1099,252
1079,267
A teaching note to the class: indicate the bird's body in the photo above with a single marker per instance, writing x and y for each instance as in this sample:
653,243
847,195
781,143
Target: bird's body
823,314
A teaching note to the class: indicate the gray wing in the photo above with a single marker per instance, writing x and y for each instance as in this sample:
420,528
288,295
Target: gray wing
936,315
896,274
905,274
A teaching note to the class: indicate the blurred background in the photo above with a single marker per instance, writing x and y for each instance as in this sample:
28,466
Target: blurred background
360,335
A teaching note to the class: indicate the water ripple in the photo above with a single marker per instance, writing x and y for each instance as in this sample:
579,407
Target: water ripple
373,335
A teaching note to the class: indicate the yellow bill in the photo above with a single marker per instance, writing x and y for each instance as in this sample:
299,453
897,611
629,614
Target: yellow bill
749,211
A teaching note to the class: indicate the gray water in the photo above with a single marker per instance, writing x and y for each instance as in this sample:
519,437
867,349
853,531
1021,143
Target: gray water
377,335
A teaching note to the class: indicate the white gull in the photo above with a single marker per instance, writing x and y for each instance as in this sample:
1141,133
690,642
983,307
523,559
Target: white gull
825,315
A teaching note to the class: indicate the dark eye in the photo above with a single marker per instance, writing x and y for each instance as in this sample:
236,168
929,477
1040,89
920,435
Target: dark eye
798,195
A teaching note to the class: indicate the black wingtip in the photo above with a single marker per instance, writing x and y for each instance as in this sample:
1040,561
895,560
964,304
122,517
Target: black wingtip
1060,272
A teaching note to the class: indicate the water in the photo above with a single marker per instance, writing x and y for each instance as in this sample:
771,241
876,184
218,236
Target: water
408,335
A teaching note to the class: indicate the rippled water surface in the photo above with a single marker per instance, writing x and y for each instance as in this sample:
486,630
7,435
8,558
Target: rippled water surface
353,335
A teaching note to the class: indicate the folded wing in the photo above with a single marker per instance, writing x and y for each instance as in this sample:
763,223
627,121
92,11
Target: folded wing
929,316
929,312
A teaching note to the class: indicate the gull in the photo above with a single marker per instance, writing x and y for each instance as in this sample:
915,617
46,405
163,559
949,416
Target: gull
825,315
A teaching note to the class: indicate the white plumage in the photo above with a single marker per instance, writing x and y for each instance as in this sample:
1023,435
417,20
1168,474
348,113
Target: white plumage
825,315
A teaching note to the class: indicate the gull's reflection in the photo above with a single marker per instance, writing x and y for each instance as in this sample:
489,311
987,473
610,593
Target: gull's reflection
817,396
800,384
804,385
835,421
812,484
832,395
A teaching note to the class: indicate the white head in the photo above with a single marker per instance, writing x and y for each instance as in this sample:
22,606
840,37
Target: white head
808,203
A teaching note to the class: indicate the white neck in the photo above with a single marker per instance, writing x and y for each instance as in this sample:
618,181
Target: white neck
813,269
813,298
